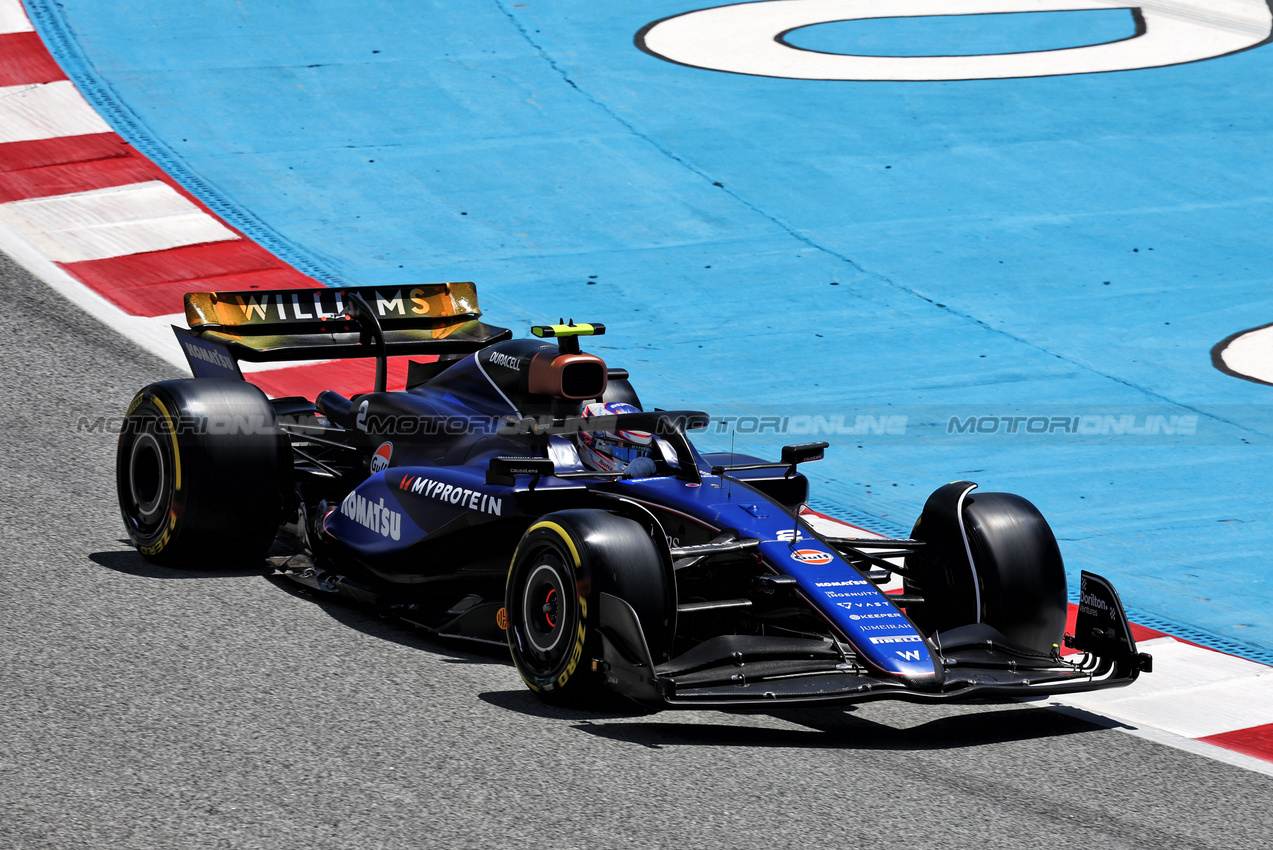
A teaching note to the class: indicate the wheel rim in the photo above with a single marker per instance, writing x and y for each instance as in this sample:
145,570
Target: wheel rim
147,477
543,612
545,604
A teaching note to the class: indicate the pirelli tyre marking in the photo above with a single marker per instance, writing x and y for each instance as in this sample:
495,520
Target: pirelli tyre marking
176,452
158,546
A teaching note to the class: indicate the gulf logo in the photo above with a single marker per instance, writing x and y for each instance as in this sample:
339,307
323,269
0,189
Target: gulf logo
380,460
813,557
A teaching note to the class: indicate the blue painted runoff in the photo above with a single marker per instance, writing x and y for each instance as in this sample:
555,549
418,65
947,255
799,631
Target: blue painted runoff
966,35
904,269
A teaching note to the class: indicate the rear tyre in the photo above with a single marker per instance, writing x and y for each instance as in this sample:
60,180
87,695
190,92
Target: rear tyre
561,566
202,472
1019,587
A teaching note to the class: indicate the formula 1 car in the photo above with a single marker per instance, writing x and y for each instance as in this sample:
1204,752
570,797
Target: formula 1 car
518,493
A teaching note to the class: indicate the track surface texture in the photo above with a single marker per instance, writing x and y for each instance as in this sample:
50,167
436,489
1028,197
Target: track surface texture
147,707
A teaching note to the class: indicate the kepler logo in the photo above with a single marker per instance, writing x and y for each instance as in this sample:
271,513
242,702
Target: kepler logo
471,499
373,516
892,615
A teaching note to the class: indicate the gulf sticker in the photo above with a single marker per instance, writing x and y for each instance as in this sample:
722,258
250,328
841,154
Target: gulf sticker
814,557
380,460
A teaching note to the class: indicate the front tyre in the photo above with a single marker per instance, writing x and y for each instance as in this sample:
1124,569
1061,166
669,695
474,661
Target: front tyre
1022,573
202,472
561,566
989,558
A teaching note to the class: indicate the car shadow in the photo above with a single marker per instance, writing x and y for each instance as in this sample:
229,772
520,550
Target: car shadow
824,727
620,720
839,727
348,613
523,701
365,619
130,562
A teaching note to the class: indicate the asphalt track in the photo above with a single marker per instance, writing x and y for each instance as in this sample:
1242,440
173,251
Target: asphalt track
150,708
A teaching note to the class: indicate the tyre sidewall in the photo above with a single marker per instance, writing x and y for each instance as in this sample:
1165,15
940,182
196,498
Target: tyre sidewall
149,428
602,552
229,471
1022,575
552,542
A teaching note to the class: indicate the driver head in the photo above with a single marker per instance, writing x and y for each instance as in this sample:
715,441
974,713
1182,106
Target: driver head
615,450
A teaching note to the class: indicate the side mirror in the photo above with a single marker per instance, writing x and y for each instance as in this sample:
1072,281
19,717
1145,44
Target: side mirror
803,452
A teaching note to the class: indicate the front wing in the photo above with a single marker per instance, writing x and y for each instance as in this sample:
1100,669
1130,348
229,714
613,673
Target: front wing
973,661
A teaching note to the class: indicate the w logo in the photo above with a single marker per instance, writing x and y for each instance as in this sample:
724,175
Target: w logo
908,654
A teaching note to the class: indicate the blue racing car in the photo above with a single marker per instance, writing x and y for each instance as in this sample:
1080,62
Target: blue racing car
518,492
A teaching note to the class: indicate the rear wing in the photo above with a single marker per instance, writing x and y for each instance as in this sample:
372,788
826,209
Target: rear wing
320,324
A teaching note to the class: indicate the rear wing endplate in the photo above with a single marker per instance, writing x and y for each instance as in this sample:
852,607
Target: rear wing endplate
315,324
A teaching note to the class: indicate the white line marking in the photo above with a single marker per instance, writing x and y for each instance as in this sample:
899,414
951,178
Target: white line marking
742,38
477,362
1251,354
13,18
1169,739
122,220
151,334
1193,692
47,111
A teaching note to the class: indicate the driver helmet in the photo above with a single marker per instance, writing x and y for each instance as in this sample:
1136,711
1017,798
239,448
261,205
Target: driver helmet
614,451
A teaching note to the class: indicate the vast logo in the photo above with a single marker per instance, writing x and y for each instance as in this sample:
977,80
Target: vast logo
749,38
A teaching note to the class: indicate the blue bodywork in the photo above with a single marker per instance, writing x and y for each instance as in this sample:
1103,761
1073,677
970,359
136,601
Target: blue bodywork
436,483
705,584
